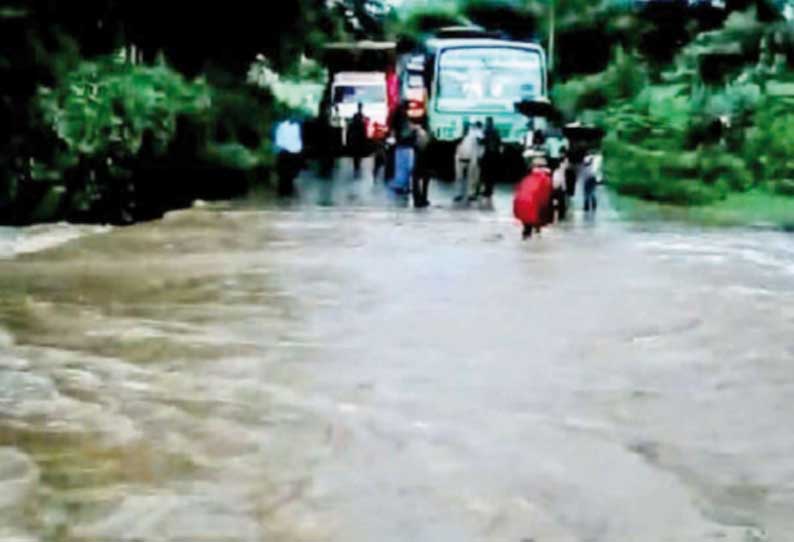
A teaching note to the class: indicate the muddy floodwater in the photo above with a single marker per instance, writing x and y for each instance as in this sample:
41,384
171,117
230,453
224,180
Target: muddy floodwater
347,369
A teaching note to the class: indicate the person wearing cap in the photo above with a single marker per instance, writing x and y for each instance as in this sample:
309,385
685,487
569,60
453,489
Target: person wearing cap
532,204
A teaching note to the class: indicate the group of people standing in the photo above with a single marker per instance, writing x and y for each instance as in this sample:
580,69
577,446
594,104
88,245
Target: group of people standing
404,155
407,151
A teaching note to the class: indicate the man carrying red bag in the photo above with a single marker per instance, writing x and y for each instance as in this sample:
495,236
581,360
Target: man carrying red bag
532,204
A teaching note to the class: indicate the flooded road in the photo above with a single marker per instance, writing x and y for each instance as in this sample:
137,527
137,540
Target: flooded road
346,369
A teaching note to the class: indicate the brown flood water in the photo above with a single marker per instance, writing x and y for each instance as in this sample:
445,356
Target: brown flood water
361,371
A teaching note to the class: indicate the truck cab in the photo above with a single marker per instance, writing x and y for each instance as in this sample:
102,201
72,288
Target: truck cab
360,72
348,90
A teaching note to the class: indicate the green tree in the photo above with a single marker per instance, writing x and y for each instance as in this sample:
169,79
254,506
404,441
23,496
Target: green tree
42,42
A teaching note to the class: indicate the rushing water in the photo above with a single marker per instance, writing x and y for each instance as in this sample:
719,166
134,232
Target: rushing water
356,371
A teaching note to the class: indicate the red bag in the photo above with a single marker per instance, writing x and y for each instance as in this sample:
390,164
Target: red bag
533,198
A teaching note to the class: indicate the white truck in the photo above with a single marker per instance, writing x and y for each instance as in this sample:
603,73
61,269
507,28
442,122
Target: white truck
363,73
348,90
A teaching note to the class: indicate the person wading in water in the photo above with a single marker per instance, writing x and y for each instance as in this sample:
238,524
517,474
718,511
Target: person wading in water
491,160
421,168
289,142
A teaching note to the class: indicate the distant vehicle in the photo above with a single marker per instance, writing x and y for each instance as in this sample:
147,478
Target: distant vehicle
360,72
367,88
474,78
413,88
415,94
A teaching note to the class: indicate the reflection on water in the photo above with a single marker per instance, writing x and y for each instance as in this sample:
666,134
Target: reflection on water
366,372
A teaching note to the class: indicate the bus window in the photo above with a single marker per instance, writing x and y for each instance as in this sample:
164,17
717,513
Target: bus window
416,81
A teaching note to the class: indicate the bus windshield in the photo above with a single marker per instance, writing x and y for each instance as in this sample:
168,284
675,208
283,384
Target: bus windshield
488,79
359,94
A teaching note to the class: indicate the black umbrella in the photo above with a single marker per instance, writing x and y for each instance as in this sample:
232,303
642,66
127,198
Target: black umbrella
538,108
583,132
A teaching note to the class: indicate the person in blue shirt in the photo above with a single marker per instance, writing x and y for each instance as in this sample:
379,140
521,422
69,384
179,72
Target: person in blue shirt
405,136
289,162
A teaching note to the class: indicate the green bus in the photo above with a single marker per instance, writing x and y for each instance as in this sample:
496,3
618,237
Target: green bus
472,78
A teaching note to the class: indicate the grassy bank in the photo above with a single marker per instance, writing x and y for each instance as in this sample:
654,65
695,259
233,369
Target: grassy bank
756,208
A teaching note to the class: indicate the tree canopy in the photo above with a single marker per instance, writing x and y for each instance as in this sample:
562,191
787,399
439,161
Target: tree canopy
44,42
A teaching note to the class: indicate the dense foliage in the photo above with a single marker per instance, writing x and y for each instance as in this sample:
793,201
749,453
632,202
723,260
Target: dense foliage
101,100
714,120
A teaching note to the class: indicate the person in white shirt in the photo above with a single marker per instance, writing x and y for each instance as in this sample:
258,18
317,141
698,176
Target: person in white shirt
467,160
560,194
289,145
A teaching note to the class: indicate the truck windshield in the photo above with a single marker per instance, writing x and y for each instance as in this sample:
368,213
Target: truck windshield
366,94
488,79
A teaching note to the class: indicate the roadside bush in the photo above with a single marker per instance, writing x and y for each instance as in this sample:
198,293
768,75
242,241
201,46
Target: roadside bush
668,144
103,118
581,94
784,187
658,117
718,167
102,109
132,141
696,137
241,120
517,20
666,176
770,146
624,79
673,191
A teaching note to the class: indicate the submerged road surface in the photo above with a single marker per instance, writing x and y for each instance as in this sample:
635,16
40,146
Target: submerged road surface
347,370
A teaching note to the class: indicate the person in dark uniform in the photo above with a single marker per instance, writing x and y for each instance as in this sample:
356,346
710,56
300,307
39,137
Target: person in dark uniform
357,139
492,158
421,177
